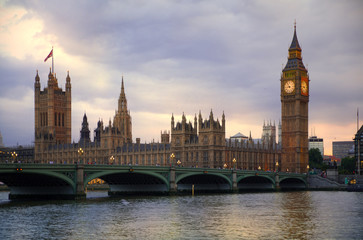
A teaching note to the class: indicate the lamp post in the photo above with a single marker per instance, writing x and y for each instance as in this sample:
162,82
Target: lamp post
172,156
225,166
259,168
14,155
178,162
80,153
277,166
111,159
234,163
307,168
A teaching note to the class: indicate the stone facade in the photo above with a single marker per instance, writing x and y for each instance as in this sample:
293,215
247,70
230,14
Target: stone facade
201,143
52,113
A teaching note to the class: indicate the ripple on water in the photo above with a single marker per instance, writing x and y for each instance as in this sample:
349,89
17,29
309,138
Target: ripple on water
291,215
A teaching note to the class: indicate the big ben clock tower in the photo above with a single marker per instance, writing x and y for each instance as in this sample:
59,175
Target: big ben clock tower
294,111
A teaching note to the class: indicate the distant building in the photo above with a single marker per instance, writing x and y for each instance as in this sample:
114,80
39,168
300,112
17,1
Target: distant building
315,142
343,149
23,154
239,137
358,143
331,160
268,132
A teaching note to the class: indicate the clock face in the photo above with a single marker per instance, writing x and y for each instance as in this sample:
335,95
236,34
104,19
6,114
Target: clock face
304,88
289,86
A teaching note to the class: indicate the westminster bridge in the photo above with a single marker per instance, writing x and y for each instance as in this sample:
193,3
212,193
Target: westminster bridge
69,181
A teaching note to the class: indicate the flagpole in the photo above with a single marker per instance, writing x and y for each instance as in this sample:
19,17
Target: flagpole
52,60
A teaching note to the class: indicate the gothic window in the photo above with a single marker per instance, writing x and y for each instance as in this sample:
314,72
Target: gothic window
59,119
177,140
215,140
55,119
205,140
62,119
205,156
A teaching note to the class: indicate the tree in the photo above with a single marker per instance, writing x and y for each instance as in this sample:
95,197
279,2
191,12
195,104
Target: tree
315,158
348,164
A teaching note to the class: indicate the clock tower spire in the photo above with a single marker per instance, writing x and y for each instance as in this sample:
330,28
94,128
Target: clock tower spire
294,111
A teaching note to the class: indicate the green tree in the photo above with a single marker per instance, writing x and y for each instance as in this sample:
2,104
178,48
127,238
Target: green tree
315,158
348,165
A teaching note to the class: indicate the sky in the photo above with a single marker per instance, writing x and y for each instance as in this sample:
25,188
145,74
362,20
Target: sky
181,57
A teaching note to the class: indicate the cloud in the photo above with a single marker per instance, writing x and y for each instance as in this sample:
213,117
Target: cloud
181,56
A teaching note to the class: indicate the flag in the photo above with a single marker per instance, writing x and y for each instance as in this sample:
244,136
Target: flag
49,55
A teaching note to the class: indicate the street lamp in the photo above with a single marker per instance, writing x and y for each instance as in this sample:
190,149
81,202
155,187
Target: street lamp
259,168
14,155
234,162
277,166
172,156
225,165
80,153
178,162
111,159
307,168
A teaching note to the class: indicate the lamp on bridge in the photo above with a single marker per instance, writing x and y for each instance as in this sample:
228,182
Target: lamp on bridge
259,168
172,156
80,153
111,159
225,166
234,163
277,166
307,168
178,162
14,155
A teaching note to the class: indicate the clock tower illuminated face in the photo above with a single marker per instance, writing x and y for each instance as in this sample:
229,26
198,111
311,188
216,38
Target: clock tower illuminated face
294,111
289,87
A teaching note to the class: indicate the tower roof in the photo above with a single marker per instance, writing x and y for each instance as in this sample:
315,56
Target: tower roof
294,60
295,43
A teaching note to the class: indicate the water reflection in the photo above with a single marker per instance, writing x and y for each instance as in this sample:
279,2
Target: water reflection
292,215
296,209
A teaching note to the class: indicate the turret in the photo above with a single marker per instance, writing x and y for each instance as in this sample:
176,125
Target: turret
37,83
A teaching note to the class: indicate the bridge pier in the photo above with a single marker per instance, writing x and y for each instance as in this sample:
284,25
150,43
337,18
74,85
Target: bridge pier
277,182
234,182
80,193
172,185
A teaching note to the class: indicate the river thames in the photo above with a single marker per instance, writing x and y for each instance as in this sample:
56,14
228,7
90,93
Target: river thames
282,215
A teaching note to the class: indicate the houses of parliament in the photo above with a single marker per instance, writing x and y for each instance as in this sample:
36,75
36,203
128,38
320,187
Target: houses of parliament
198,142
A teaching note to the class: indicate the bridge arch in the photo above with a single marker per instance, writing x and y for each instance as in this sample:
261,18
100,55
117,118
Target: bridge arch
255,183
203,182
30,183
123,182
27,172
292,183
109,172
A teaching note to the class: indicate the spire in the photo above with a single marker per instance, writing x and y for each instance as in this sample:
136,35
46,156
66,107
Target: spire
68,79
294,60
295,43
50,73
122,86
37,79
122,102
